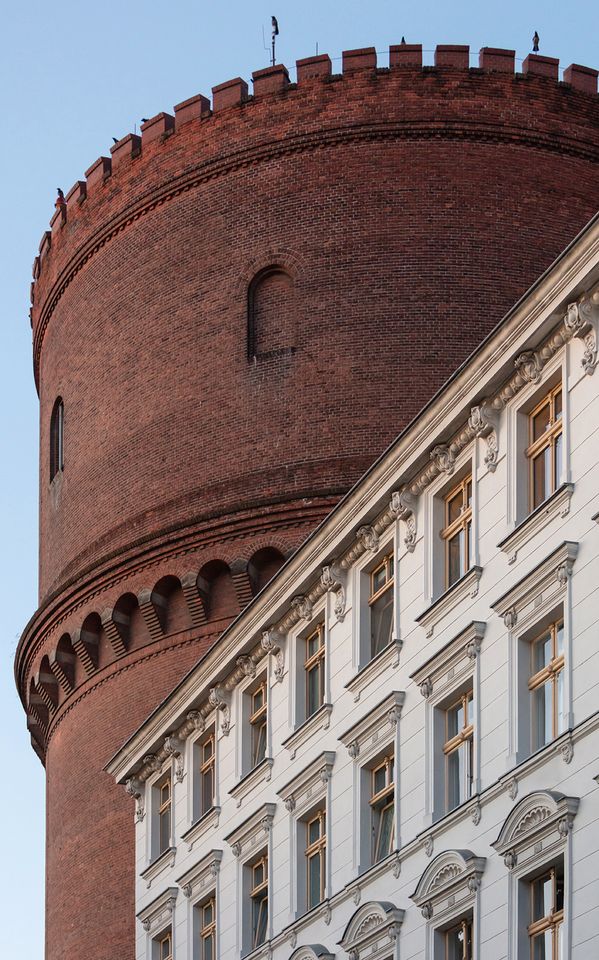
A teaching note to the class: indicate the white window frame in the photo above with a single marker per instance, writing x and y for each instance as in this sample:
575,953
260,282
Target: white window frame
517,481
448,892
440,679
304,728
247,842
248,777
366,741
543,595
536,833
309,790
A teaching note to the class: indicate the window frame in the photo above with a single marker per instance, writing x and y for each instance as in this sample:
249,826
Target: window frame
548,440
165,810
462,524
463,737
552,921
464,922
259,895
315,662
387,563
440,596
551,673
162,938
381,801
207,930
258,721
56,439
316,849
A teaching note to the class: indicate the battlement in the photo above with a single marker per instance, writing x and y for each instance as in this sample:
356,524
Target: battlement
405,65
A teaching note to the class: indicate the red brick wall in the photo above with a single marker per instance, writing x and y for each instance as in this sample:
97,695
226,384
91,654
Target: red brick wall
411,208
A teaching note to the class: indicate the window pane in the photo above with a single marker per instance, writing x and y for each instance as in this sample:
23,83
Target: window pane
208,917
260,918
542,715
207,790
258,700
542,653
380,779
453,779
208,948
313,831
259,733
458,943
541,946
381,622
542,897
314,686
541,476
558,461
454,507
385,833
561,724
379,579
558,404
165,830
207,750
560,639
314,880
540,422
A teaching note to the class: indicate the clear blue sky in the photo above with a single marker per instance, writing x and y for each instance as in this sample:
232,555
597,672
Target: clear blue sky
72,76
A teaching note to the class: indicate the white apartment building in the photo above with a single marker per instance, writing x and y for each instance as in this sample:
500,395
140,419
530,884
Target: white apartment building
393,752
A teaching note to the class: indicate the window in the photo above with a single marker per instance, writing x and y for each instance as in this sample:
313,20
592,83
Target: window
164,789
545,447
546,685
206,774
57,439
258,723
545,930
271,314
457,531
458,941
259,900
207,916
316,850
459,750
382,805
381,605
314,667
165,946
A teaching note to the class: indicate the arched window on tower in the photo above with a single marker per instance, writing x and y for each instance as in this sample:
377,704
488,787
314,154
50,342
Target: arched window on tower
57,438
271,314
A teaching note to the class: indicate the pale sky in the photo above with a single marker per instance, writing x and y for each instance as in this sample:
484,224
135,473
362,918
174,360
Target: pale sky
72,76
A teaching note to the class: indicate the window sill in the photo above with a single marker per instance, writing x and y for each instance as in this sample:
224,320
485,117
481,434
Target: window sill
160,864
200,827
318,721
376,870
466,585
387,659
558,503
262,771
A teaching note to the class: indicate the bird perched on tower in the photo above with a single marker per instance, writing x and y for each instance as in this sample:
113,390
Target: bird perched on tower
535,42
60,200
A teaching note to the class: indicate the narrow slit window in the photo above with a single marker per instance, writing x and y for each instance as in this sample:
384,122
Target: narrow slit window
57,439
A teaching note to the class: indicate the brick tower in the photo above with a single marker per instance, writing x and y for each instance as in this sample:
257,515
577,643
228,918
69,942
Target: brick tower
232,316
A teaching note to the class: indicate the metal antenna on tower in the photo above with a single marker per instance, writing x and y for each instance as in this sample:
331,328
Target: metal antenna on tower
275,34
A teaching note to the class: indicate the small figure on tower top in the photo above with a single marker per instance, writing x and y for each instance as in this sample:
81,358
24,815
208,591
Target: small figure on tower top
535,42
60,200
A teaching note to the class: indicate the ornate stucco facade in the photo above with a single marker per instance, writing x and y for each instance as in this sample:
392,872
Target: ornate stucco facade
310,761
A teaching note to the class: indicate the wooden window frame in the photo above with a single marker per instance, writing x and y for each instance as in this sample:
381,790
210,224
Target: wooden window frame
462,523
166,937
388,564
466,926
315,662
547,674
207,766
165,807
548,439
207,930
259,896
381,801
258,720
318,848
463,736
551,921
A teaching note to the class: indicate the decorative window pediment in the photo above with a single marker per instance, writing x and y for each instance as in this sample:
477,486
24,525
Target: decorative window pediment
539,590
309,786
313,951
202,876
252,833
449,884
370,733
372,931
159,913
539,824
454,661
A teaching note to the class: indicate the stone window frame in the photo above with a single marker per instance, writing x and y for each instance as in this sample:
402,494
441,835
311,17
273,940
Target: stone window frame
440,598
247,841
522,522
365,740
198,884
301,795
373,931
534,836
303,729
368,669
442,676
155,861
199,825
542,595
248,779
158,917
448,892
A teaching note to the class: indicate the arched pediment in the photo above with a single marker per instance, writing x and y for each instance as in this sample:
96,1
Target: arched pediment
312,951
373,927
447,869
541,817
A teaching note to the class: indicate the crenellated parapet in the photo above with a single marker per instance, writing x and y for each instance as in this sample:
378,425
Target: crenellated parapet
206,138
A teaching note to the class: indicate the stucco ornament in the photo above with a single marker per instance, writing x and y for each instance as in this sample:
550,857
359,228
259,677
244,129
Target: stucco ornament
529,366
134,788
220,702
333,580
580,321
403,507
303,607
482,422
272,643
371,930
176,749
443,458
